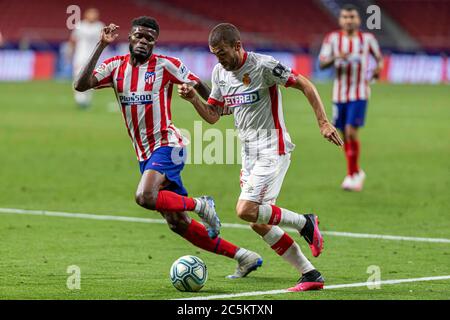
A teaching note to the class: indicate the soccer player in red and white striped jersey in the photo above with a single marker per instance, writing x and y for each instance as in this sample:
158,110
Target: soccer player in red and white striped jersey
348,50
143,82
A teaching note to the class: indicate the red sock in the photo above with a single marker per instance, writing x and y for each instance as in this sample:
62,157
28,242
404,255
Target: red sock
275,218
351,148
284,243
198,236
172,202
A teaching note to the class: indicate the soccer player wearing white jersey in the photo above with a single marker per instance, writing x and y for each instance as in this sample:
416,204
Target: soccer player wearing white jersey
247,84
82,42
143,83
348,50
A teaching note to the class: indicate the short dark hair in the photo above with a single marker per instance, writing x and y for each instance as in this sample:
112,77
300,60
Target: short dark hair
147,22
349,7
225,32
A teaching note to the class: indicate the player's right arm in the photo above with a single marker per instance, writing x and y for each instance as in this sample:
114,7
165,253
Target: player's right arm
210,113
214,107
86,79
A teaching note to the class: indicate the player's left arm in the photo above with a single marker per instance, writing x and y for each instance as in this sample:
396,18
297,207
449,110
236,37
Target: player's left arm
309,90
375,51
276,73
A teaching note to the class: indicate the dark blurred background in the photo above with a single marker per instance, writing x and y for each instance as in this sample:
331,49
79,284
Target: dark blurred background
414,34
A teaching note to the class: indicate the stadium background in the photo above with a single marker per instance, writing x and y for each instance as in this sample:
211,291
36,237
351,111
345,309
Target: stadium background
415,36
55,157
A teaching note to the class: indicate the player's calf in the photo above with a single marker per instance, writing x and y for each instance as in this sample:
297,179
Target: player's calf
306,224
178,223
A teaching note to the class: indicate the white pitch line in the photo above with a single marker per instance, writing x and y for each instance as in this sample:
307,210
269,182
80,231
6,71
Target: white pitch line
336,286
226,225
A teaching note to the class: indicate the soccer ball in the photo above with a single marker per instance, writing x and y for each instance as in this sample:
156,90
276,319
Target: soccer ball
188,273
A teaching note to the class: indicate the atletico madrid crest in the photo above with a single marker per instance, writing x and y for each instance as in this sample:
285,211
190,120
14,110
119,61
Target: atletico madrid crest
150,77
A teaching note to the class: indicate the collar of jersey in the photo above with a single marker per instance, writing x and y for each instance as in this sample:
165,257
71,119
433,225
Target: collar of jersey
243,61
149,59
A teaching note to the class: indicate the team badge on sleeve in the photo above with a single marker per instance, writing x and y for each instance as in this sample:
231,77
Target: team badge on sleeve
183,70
279,70
150,77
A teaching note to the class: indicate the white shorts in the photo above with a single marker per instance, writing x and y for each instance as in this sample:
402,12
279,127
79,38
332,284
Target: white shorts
261,179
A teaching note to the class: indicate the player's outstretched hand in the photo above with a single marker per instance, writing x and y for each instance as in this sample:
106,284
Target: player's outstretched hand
186,91
109,33
330,133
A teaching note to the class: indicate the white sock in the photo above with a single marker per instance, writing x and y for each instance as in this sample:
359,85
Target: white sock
198,205
273,215
240,254
288,249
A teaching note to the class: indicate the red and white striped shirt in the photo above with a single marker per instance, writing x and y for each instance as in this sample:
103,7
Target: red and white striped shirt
144,94
351,81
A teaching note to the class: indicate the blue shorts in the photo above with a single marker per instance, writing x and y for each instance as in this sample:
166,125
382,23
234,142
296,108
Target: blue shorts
168,161
350,113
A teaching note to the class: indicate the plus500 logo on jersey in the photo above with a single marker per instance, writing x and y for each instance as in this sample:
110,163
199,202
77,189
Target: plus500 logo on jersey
136,98
241,99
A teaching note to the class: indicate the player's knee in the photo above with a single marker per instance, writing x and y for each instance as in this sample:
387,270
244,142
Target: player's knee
242,214
351,133
147,199
246,212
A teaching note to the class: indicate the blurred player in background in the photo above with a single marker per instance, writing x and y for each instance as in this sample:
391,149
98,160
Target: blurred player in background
348,50
247,83
82,42
143,84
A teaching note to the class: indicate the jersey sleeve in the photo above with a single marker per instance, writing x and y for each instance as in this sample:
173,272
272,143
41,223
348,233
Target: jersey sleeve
104,72
179,73
374,47
215,97
275,72
326,51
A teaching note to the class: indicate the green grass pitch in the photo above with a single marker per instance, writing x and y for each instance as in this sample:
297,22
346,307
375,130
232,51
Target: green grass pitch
55,157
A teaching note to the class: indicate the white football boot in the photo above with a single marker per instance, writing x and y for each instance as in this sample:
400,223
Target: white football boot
347,184
358,180
250,261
